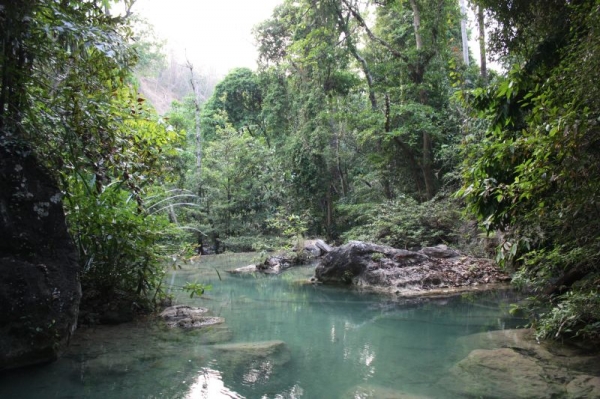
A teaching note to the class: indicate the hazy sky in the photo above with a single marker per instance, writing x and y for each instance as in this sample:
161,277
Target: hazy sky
215,34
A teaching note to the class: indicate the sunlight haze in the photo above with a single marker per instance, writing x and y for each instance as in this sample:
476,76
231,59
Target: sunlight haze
215,35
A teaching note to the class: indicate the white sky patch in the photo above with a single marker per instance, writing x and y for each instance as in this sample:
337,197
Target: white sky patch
213,34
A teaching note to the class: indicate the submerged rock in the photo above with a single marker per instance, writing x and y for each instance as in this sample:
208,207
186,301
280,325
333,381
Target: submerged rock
113,364
252,361
215,334
584,387
574,358
244,270
511,364
523,339
499,373
241,352
39,269
407,273
188,317
377,392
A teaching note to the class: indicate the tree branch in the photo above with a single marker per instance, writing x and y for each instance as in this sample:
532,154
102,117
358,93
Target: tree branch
371,35
343,25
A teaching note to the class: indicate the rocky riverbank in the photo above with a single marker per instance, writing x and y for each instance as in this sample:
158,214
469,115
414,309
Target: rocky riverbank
308,252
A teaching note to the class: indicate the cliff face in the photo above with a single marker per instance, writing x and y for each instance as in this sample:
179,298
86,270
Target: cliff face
39,272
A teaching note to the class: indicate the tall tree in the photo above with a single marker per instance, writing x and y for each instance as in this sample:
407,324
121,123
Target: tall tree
239,96
303,39
418,59
482,44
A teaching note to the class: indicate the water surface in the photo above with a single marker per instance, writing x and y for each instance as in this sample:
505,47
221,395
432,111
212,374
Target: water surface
341,343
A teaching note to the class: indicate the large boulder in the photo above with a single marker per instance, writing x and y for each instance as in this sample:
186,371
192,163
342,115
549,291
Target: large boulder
39,272
430,271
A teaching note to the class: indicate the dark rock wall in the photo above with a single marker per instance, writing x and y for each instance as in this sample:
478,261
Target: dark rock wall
39,272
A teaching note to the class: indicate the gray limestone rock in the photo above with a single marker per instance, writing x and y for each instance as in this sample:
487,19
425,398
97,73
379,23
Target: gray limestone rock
316,248
440,251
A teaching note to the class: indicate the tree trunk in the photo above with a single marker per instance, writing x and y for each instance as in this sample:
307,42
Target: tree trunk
343,25
329,214
482,50
417,24
196,120
409,155
463,30
370,33
340,170
427,167
427,159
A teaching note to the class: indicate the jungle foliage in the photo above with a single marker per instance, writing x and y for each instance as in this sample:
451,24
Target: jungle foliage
360,122
533,173
65,94
364,119
340,117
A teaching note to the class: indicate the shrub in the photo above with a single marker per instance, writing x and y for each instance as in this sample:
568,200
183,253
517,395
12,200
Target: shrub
406,223
119,244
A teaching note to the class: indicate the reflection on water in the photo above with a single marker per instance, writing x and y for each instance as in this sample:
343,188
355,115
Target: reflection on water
315,342
209,385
